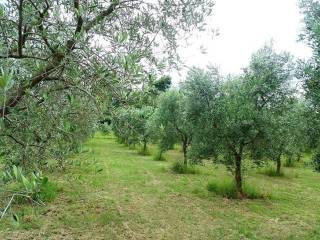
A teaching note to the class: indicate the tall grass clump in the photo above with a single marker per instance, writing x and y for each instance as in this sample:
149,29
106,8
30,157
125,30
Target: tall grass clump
290,163
226,187
159,156
271,172
144,151
181,168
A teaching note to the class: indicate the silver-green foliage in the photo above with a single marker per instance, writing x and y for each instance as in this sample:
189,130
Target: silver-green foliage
234,118
130,125
68,61
170,123
308,71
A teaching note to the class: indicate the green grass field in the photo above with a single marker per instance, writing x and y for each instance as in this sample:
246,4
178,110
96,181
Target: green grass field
111,192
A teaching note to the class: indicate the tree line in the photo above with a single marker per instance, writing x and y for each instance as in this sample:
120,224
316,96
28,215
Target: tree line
229,119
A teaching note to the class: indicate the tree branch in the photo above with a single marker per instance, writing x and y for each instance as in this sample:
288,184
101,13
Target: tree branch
21,57
20,33
57,58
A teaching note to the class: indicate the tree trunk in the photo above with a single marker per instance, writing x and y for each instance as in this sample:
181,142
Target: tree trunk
144,147
184,148
298,157
278,165
290,161
238,176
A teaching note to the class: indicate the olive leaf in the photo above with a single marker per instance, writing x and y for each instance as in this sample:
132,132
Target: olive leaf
6,79
122,37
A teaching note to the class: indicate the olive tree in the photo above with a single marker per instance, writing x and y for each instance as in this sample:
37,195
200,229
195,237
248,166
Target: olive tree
201,90
235,115
286,134
309,71
56,50
238,128
130,125
269,75
171,122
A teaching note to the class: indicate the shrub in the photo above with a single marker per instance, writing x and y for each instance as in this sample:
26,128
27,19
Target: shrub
316,162
226,188
179,167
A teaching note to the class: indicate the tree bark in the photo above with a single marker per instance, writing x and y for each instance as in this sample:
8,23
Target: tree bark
238,176
290,159
144,147
57,58
20,33
298,157
278,165
184,148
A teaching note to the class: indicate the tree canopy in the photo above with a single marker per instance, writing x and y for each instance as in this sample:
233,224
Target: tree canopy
63,63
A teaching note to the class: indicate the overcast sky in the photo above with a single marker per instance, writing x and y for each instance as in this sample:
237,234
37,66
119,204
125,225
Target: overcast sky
244,27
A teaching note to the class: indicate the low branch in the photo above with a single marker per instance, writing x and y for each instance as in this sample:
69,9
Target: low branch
21,57
57,58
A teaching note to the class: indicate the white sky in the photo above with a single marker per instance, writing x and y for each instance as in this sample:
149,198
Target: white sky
244,27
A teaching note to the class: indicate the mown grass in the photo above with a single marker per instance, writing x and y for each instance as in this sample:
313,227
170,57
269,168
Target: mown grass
112,192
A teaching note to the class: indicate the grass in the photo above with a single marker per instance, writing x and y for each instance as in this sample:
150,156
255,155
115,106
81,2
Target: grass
143,152
159,156
112,192
271,171
180,168
225,187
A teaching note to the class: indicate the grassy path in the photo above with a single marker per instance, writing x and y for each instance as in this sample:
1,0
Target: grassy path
111,192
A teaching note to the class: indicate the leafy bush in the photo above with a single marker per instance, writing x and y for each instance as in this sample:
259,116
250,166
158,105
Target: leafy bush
316,162
179,167
226,188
